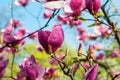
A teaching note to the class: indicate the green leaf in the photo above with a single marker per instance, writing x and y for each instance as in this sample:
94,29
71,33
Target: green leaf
99,14
92,25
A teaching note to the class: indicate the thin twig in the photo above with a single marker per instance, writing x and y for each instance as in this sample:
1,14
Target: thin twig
8,44
116,76
112,24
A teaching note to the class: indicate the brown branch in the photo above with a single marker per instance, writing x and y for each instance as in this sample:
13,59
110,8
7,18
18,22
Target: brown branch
112,24
16,41
116,76
64,67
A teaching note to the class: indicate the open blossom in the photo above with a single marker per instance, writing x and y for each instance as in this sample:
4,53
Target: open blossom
100,56
30,70
54,5
93,5
64,19
8,38
102,29
33,36
86,65
47,14
92,73
51,40
8,30
49,73
76,6
3,65
116,53
97,46
22,2
15,23
81,30
82,34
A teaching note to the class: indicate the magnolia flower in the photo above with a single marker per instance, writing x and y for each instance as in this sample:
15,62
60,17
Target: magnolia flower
33,36
97,46
49,73
8,30
100,56
75,6
47,14
86,65
54,5
30,70
116,53
9,38
39,48
83,36
51,40
81,30
64,19
102,30
15,23
76,22
3,65
93,6
22,2
92,73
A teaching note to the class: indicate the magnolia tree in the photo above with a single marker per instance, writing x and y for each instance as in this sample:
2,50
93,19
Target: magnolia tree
96,57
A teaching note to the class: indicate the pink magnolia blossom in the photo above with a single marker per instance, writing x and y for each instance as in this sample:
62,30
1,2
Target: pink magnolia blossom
116,53
97,46
75,67
76,5
9,38
93,5
31,70
22,2
76,22
8,30
51,40
83,36
53,61
81,30
102,29
3,65
39,48
49,73
23,31
100,56
33,36
47,14
93,35
92,73
15,23
54,5
64,19
86,65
